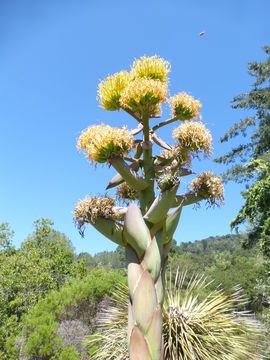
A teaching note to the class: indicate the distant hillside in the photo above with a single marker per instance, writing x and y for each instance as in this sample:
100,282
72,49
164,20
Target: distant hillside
211,245
214,244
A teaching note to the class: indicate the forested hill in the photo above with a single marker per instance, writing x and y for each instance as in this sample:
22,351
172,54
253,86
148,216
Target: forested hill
209,246
215,244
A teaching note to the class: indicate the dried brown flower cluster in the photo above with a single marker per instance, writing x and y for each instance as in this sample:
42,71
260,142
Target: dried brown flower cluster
125,192
152,67
90,208
194,136
209,187
110,90
102,142
184,106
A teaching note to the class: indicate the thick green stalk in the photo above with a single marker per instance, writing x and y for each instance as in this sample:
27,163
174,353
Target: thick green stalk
128,175
147,196
145,280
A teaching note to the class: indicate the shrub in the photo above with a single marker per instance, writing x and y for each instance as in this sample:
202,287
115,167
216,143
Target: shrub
77,300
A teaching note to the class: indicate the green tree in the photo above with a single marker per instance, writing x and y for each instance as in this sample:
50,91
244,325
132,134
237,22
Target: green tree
78,300
45,261
251,160
6,235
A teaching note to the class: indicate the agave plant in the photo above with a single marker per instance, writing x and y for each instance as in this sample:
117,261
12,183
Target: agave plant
197,324
146,227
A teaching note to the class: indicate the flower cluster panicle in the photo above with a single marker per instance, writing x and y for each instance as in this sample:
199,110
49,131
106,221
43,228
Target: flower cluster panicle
125,192
102,142
194,136
90,208
184,106
210,187
177,153
153,67
110,90
144,94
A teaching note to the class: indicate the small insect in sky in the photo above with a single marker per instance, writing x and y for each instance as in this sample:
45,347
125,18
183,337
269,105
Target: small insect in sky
202,33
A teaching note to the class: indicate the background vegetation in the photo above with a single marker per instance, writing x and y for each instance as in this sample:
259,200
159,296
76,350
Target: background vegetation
50,297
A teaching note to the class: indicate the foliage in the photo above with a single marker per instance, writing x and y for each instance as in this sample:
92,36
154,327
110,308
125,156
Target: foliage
251,159
79,299
6,235
196,324
69,353
256,210
45,261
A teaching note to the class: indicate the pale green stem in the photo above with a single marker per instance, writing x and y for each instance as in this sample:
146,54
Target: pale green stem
189,199
147,196
164,123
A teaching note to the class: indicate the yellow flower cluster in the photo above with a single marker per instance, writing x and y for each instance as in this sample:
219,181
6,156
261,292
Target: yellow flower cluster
90,208
143,89
144,94
125,192
193,136
152,67
184,106
210,187
102,142
110,90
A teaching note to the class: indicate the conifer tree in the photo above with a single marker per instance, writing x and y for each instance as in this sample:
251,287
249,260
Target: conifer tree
251,159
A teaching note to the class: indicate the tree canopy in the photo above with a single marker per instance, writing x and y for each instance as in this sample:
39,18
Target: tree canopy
250,160
44,262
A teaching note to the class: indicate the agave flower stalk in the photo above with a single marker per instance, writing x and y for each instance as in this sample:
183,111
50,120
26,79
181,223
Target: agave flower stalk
146,227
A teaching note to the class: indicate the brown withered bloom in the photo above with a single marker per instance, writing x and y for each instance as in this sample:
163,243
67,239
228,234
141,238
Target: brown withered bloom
209,187
90,208
125,192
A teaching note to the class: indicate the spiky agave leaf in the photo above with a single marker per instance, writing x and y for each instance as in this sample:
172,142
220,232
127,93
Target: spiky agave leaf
110,340
195,326
207,327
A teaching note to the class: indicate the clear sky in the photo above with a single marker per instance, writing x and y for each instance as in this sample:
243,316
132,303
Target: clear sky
53,54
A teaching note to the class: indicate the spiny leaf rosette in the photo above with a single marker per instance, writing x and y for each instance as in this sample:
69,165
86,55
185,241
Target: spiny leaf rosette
146,227
196,324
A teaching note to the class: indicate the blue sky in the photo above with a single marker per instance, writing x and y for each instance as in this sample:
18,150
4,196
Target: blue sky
53,54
